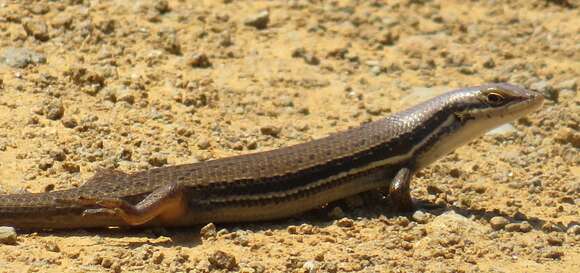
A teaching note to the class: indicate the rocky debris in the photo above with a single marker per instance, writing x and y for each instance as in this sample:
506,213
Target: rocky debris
7,235
69,122
574,230
71,167
86,77
546,89
554,254
54,110
567,85
498,222
222,260
420,216
157,159
345,222
518,227
52,246
167,39
39,8
208,231
21,57
555,239
45,164
125,95
203,143
308,57
259,21
271,130
567,135
37,29
198,60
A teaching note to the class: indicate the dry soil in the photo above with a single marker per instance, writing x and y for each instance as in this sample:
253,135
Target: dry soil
132,85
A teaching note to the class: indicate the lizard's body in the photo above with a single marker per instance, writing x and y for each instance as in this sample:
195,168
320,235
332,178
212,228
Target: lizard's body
277,183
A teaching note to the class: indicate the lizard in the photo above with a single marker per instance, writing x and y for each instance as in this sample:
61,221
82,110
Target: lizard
382,154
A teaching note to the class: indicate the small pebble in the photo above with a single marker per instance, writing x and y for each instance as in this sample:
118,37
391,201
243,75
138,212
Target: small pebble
52,247
434,190
45,164
567,85
157,159
376,70
54,110
555,240
222,260
567,135
545,88
21,57
271,130
107,262
69,122
259,21
308,57
310,266
157,257
199,60
39,8
420,216
402,221
525,227
208,231
573,230
36,28
125,95
498,222
553,254
203,143
292,229
345,222
308,229
71,167
57,154
7,235
455,172
513,227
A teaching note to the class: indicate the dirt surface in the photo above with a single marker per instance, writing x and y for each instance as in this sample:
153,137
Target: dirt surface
116,84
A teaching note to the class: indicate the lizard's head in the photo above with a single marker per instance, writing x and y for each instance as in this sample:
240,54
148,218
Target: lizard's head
462,115
499,103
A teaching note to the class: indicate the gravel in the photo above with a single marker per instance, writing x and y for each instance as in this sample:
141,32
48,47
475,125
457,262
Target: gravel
37,29
222,260
7,235
258,21
21,57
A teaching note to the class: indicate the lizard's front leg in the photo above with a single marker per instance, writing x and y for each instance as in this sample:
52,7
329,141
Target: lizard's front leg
399,190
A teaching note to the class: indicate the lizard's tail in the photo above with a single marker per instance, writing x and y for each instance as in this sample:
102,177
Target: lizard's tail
44,211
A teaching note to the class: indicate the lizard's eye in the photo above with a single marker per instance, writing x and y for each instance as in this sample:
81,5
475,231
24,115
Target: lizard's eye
495,98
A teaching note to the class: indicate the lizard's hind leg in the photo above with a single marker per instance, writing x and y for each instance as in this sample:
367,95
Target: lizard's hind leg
166,203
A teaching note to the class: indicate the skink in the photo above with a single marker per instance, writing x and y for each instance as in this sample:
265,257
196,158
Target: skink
383,154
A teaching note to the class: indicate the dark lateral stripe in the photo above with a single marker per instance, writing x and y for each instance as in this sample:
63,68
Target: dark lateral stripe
386,172
394,147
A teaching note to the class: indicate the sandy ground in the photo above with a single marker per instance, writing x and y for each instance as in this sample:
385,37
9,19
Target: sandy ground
116,84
